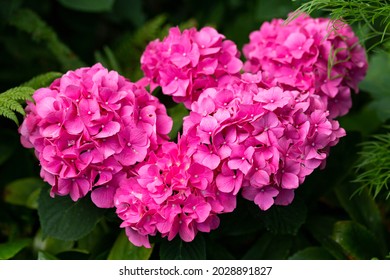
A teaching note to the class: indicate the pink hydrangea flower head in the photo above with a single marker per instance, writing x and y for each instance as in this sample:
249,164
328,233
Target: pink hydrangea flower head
90,125
260,140
185,63
170,194
319,56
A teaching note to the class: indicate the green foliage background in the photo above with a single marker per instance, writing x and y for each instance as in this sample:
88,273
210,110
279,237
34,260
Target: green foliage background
341,212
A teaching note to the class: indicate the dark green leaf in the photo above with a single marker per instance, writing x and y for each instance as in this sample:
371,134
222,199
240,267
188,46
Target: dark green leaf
65,219
177,249
270,247
10,249
8,8
216,251
74,254
377,84
88,5
267,10
46,256
108,59
30,22
24,192
338,167
285,219
365,121
356,240
51,245
123,249
130,10
321,228
177,113
312,253
245,219
362,208
100,240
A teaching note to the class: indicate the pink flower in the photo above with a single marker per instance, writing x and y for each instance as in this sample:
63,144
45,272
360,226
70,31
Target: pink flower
185,63
170,194
261,140
88,126
315,55
206,156
229,181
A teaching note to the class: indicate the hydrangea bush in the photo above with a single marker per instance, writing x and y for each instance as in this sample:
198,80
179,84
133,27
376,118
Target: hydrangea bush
256,128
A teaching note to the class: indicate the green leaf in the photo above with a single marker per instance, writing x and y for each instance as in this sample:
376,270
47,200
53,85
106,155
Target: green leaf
312,253
377,84
123,249
7,9
130,47
130,10
46,256
88,5
338,167
267,10
43,80
30,22
285,219
51,245
365,121
177,249
217,251
177,113
270,247
362,208
377,81
321,228
100,240
74,254
24,192
10,249
65,219
108,59
356,241
244,220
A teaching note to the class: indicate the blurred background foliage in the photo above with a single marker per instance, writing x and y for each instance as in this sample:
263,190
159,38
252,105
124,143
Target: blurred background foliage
341,212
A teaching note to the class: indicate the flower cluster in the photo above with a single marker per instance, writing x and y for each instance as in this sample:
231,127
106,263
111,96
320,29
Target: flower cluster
89,125
184,64
320,56
171,194
258,133
263,141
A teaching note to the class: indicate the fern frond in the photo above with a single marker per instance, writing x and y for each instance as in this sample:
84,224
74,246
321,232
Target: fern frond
131,46
108,59
9,114
12,105
150,30
10,102
373,167
28,21
17,93
43,80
